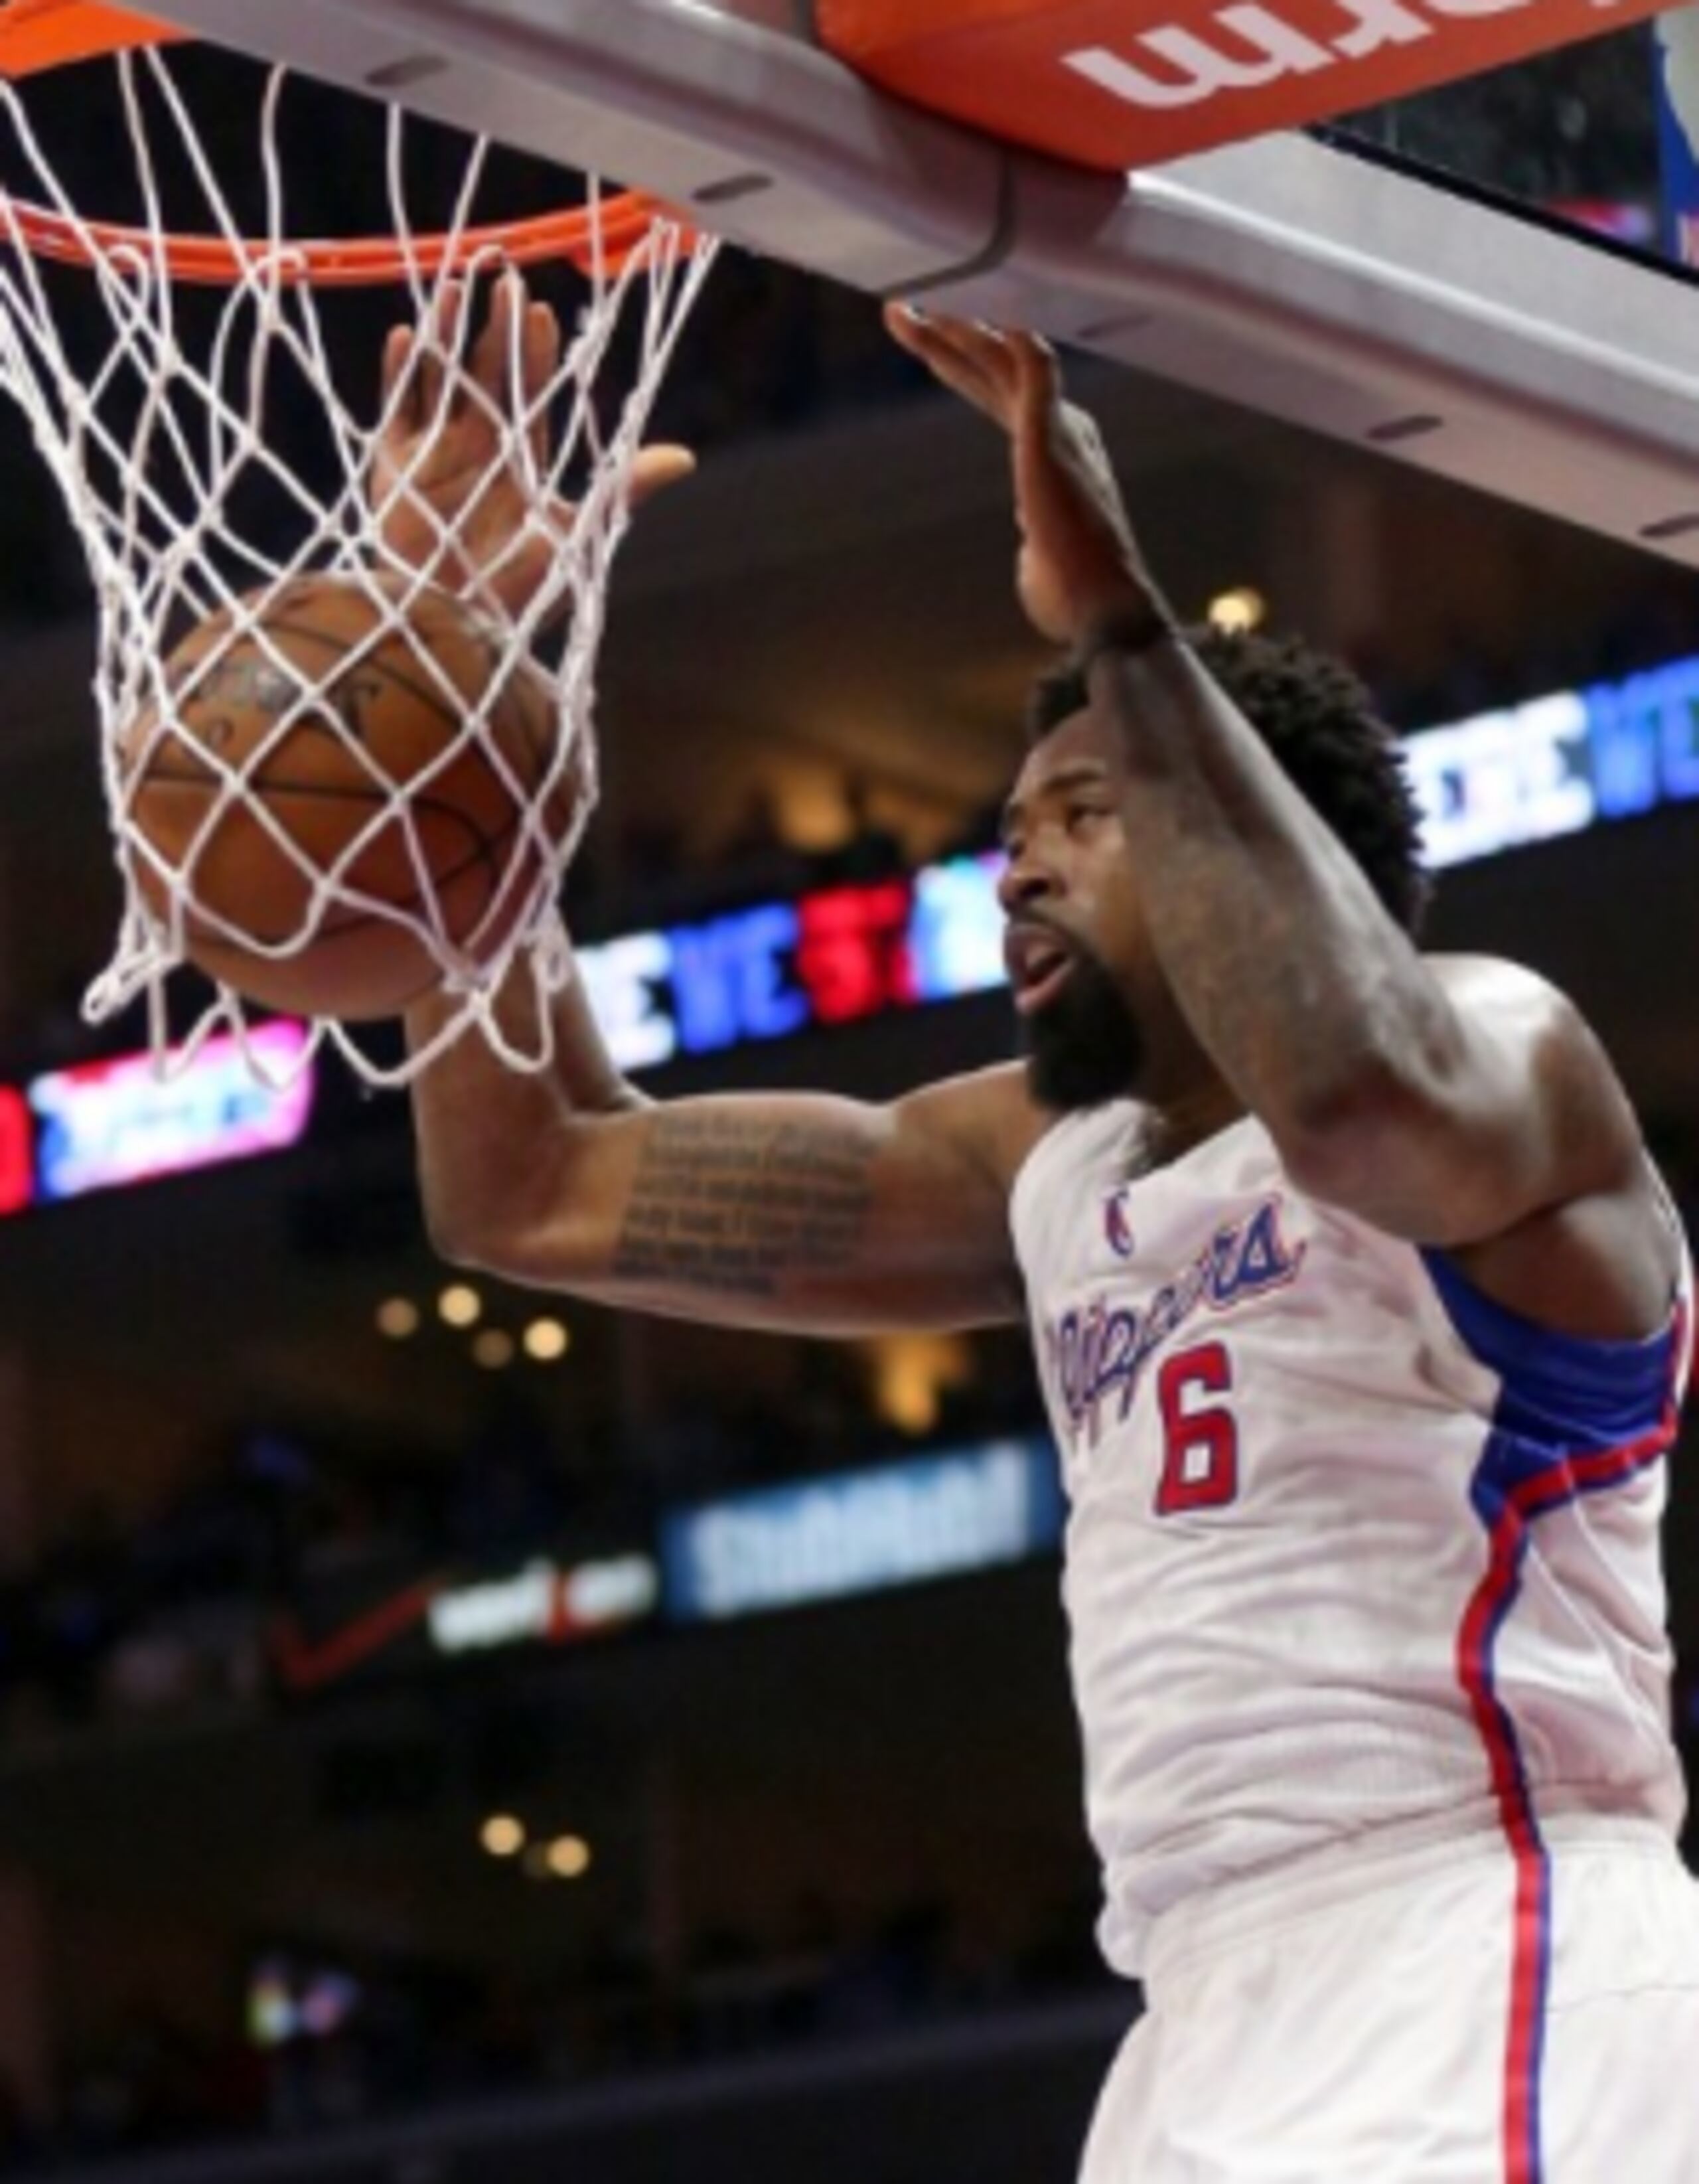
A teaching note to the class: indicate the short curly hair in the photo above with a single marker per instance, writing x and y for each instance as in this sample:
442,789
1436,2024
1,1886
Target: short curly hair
1319,722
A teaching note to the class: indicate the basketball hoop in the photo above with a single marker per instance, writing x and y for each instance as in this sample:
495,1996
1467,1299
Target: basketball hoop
202,483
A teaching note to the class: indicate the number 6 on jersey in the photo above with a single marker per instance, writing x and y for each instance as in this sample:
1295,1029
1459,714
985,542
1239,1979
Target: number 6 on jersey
1200,1437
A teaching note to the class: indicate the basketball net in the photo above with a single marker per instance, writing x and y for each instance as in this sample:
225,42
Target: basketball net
164,418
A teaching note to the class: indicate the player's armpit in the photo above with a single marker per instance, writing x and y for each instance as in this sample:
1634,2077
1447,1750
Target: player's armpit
801,1212
1508,1141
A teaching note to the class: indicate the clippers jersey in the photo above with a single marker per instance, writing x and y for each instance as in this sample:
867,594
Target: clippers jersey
1350,1545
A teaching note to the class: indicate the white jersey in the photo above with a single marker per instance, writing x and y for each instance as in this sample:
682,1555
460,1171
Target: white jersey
1350,1545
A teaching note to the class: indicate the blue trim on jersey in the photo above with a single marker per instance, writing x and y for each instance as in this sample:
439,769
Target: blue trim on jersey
1562,1394
1573,1416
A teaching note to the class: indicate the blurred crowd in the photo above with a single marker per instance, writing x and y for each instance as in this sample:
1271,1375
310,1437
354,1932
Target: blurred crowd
392,2039
1573,131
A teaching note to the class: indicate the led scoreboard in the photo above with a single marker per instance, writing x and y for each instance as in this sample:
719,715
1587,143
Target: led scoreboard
829,958
104,1124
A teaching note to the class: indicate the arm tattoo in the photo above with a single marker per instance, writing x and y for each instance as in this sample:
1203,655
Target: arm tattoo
728,1203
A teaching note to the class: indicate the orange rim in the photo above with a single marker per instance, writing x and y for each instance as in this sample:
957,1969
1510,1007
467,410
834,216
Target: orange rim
610,235
37,35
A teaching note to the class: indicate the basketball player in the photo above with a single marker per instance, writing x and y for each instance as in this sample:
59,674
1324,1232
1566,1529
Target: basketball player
1362,1320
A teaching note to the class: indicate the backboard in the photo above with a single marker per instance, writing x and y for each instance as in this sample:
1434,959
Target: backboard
1367,297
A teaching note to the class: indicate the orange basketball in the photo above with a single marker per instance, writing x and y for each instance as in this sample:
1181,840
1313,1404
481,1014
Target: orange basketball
372,781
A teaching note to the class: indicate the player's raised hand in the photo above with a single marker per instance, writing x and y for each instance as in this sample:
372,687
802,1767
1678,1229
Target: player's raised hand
1078,560
461,480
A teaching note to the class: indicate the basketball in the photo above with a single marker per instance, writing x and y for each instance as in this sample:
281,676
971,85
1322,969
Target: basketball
319,737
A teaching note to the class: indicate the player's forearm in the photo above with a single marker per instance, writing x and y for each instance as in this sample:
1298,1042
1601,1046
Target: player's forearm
1305,992
496,1146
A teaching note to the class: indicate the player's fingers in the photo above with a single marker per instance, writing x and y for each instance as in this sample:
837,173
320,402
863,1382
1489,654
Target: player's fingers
1007,361
494,353
395,386
943,359
540,340
904,324
439,346
970,339
540,346
937,341
970,360
1036,373
658,467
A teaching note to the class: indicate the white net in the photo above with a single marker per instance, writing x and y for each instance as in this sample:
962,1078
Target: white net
347,638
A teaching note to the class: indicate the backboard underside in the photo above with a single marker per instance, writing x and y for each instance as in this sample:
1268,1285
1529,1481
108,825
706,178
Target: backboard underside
1284,274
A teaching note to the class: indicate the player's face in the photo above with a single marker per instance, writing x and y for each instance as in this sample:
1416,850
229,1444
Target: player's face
1080,965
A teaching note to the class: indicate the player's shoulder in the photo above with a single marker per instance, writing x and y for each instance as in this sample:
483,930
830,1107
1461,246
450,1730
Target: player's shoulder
1516,1003
1532,1037
1493,981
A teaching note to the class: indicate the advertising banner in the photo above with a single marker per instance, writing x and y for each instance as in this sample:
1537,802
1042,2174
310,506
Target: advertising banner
1119,84
862,1532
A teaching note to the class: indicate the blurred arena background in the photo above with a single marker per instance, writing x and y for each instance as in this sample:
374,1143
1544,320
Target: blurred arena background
443,1735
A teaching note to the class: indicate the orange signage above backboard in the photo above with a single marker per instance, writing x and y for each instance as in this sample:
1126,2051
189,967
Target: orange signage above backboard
39,35
1122,83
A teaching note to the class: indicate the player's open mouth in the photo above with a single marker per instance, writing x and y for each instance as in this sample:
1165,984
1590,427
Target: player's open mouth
1040,965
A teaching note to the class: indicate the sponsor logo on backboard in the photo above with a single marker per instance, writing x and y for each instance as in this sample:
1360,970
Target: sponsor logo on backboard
1086,81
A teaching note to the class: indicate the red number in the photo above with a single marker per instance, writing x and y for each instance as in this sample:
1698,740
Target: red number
1200,1441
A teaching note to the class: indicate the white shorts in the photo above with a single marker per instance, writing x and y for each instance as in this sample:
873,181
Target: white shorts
1408,2019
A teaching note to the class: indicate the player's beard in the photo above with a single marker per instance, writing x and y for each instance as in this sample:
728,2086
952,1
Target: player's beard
1085,1047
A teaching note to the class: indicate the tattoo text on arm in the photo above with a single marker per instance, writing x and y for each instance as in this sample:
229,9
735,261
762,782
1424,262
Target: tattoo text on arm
737,1205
